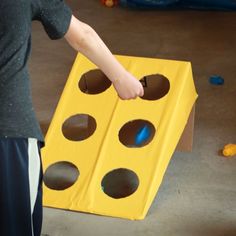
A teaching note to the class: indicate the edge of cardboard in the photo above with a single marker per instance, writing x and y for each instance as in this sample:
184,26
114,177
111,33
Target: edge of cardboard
186,141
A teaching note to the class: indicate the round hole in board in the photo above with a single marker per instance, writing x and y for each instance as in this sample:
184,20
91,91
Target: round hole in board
94,82
61,175
120,183
79,127
137,133
155,86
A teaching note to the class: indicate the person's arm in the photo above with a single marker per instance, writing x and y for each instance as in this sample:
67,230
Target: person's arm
86,41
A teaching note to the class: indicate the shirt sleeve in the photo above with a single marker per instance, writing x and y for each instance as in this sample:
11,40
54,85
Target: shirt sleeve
55,16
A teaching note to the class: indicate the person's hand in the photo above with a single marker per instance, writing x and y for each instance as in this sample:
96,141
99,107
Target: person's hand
128,87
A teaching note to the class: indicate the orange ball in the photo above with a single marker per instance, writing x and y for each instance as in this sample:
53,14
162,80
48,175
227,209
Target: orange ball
110,3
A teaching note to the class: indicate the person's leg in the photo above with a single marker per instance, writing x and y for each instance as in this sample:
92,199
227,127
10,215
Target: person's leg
35,180
20,187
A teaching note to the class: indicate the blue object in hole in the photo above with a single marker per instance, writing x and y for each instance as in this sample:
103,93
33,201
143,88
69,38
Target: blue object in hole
142,135
216,80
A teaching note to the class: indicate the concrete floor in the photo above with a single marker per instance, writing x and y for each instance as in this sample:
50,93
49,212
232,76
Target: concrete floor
198,194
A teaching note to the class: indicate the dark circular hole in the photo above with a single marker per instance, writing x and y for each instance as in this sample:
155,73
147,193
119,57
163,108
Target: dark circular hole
61,175
94,82
155,86
120,183
137,133
79,127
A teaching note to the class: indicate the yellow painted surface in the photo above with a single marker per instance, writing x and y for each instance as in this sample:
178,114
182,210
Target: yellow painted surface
102,152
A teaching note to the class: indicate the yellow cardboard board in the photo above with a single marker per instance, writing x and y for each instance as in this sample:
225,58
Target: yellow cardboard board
139,169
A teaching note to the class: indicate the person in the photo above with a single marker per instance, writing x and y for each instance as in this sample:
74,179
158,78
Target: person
20,134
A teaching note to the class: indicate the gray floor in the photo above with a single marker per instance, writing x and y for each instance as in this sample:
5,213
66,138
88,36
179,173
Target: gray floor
198,194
